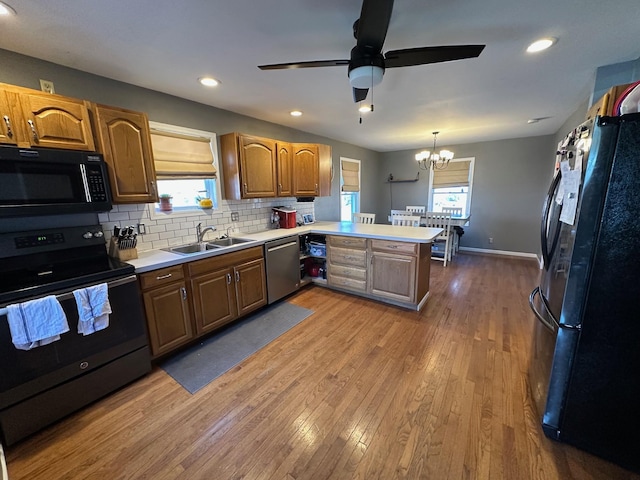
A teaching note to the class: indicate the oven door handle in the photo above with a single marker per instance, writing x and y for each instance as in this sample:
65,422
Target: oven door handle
69,295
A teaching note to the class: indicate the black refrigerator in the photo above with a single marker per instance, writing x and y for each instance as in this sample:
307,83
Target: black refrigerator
585,365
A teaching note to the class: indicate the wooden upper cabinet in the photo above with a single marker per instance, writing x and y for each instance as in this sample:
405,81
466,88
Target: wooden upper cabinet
306,170
56,121
284,169
8,133
123,137
326,170
249,166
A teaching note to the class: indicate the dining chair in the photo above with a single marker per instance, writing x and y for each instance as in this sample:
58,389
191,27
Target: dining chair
405,220
369,218
443,221
399,212
454,212
416,209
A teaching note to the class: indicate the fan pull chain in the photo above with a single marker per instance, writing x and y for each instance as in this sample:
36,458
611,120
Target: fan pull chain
372,88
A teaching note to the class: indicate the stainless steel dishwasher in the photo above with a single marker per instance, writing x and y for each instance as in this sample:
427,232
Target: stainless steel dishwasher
283,267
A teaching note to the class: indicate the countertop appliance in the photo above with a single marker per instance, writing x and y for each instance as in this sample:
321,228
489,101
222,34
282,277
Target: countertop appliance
585,355
286,216
41,181
283,267
46,383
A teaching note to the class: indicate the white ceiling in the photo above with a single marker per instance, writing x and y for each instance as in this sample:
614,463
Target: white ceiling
166,45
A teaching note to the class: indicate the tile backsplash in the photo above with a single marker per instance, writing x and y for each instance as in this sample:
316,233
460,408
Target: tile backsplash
177,228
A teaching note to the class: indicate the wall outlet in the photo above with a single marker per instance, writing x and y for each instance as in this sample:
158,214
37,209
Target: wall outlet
142,229
47,86
235,216
490,239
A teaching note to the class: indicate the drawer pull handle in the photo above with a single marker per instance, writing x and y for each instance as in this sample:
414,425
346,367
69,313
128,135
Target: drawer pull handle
7,121
33,130
184,293
228,279
237,276
162,277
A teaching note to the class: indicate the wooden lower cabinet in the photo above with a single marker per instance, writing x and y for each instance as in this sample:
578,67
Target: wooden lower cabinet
390,271
166,304
186,301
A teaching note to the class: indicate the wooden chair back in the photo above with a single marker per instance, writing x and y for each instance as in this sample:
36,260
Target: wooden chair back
405,220
416,209
453,211
368,218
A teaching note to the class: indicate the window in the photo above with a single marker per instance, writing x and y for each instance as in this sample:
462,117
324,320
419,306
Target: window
186,166
349,188
451,187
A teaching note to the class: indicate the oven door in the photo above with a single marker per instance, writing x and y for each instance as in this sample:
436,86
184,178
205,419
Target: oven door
28,372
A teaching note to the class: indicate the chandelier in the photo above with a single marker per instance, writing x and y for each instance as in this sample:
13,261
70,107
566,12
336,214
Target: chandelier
432,160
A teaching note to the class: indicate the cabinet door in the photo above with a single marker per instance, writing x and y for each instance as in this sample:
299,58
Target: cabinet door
285,170
251,287
393,276
57,122
123,138
168,317
306,170
8,133
257,167
213,299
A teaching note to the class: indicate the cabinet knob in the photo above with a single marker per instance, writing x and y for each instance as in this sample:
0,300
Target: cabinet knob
7,122
33,130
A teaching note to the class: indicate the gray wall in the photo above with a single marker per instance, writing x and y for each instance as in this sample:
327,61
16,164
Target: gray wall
511,176
26,71
509,185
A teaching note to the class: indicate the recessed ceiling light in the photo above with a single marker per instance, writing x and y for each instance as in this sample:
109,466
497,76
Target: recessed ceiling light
6,9
364,109
541,44
295,113
209,81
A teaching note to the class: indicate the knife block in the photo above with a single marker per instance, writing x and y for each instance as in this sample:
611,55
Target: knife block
123,254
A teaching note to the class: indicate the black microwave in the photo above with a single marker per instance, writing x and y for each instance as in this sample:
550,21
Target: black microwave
39,181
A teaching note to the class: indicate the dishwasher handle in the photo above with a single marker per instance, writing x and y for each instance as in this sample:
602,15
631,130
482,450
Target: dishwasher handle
284,245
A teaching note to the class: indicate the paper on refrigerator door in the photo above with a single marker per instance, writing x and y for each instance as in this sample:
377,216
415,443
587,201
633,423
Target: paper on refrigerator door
570,185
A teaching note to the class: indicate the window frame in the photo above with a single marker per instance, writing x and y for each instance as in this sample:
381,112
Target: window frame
471,161
355,196
154,210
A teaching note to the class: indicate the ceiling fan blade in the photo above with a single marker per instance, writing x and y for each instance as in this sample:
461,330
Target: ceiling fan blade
359,94
424,55
311,64
373,24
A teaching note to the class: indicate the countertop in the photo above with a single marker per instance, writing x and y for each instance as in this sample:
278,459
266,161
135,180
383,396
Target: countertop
154,259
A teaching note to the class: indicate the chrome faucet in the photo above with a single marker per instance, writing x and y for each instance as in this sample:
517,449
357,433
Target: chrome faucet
200,232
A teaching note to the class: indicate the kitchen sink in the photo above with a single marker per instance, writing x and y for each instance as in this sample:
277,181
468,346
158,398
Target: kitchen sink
190,248
227,242
204,246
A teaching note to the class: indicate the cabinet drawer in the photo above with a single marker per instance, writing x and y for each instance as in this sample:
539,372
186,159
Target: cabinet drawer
347,283
348,272
162,276
348,242
346,256
395,247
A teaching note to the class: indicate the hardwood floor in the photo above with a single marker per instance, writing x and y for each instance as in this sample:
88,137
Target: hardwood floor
359,390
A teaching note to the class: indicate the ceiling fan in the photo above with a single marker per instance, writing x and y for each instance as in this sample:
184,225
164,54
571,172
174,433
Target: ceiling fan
367,63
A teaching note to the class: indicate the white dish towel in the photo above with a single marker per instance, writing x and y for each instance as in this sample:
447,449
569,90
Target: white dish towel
93,308
37,322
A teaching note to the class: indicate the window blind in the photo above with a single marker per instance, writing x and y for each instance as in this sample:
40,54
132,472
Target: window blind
350,176
455,175
181,156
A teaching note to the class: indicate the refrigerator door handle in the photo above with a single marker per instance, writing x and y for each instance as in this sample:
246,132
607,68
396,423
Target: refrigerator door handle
551,325
546,254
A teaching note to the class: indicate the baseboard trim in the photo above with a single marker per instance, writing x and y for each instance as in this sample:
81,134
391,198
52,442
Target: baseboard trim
499,252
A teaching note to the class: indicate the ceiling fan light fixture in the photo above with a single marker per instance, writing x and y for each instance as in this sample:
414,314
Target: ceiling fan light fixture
364,109
366,76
